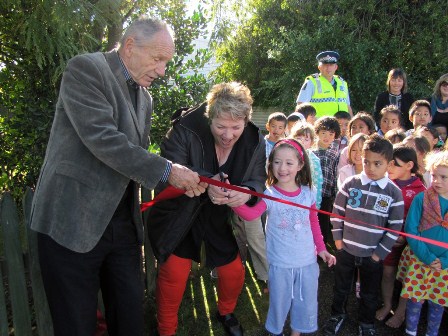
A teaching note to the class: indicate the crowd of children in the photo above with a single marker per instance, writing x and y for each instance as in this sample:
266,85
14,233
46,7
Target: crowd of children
370,177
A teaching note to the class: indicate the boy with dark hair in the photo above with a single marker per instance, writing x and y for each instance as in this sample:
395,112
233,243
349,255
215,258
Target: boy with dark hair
343,120
327,129
370,197
308,111
419,115
276,126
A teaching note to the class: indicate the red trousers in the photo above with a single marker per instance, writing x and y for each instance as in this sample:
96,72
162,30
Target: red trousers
171,283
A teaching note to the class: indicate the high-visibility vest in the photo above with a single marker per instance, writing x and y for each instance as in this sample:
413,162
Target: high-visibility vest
325,99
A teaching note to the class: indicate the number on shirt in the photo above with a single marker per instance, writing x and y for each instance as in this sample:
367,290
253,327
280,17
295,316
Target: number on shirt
355,198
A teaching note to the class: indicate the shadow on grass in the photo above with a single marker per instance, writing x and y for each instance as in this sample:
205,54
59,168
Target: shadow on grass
199,306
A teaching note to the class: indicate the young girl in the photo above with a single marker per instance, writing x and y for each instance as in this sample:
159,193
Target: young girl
404,173
354,165
426,274
422,148
390,119
363,123
304,133
293,238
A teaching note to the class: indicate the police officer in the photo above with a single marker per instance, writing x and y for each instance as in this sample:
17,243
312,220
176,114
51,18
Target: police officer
327,92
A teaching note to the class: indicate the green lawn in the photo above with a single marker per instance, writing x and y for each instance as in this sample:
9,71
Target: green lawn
199,306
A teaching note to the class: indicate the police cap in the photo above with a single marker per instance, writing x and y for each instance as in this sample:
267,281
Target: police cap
327,57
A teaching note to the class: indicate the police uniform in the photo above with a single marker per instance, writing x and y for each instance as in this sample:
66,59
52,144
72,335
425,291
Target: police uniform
326,97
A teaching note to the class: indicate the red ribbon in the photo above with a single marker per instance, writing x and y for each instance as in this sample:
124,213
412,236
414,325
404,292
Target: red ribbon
172,192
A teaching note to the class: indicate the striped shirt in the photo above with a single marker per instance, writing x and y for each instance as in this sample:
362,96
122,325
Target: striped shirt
378,203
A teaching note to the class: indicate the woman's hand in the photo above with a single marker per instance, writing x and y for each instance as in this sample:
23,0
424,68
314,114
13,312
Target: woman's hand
237,198
328,258
218,195
222,196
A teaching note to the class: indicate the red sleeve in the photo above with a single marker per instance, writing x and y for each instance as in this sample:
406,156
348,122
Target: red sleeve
315,229
250,213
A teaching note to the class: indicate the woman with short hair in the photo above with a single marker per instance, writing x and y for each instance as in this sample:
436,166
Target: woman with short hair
217,140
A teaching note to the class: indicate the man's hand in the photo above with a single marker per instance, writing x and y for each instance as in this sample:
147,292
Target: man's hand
183,178
202,187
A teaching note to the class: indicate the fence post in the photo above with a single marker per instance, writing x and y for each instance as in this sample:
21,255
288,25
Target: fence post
3,312
9,220
43,317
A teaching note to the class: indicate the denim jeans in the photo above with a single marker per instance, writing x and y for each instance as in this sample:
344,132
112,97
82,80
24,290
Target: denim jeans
370,276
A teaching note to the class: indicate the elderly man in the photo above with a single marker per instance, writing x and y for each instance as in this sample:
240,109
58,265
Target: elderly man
86,204
327,92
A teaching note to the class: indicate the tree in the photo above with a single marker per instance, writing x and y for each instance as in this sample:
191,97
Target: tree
274,49
38,37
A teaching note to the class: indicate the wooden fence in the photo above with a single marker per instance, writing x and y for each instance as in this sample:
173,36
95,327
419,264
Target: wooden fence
23,305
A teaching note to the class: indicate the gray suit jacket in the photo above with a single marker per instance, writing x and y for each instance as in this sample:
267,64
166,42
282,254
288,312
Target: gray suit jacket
97,145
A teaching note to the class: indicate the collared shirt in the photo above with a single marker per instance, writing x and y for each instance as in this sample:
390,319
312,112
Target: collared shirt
382,183
365,202
129,80
133,84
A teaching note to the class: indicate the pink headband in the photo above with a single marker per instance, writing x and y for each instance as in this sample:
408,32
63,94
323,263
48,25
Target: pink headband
292,143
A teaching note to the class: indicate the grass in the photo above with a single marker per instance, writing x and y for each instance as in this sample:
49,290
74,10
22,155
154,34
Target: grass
199,306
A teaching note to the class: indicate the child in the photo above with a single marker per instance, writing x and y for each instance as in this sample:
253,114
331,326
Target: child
327,129
419,114
404,173
293,118
442,131
395,136
422,148
354,165
427,264
276,126
343,119
431,134
304,133
308,111
293,238
362,122
372,198
390,119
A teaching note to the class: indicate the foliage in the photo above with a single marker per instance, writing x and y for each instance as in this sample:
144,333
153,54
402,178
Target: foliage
38,37
274,49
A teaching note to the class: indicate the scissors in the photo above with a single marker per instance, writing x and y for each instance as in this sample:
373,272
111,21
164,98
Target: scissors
223,179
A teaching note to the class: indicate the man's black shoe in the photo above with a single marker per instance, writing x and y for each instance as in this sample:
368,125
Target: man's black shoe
230,324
